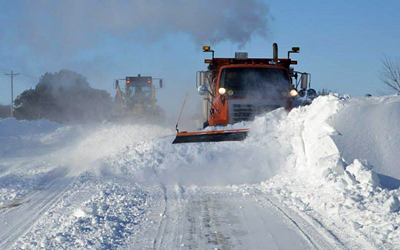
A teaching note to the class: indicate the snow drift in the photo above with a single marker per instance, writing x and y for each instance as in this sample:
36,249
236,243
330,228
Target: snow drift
347,197
368,129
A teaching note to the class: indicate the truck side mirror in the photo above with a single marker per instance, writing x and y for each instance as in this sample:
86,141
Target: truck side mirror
304,81
203,90
161,84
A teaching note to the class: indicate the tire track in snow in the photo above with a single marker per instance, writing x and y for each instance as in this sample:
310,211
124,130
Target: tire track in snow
206,218
220,239
246,225
226,218
170,229
17,221
318,236
157,243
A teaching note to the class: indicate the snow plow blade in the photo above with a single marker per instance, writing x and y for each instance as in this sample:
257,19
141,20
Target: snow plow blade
211,136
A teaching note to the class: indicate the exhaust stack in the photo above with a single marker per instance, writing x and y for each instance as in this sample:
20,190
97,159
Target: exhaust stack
275,50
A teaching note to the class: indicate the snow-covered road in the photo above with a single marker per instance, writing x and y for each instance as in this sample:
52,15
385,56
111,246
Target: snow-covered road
286,186
176,217
230,218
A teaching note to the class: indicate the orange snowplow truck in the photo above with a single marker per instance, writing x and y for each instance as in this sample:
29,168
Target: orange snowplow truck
237,89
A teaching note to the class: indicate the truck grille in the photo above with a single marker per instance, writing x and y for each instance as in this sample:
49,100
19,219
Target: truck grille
246,112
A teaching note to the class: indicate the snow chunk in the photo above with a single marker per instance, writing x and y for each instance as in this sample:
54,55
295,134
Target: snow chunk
79,213
363,173
392,205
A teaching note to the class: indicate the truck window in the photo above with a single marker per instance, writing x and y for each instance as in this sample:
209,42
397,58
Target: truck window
146,90
255,82
140,91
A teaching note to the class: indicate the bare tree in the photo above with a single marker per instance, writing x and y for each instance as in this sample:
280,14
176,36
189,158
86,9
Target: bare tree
390,74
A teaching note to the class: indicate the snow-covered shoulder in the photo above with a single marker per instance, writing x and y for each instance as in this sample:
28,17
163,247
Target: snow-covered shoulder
349,198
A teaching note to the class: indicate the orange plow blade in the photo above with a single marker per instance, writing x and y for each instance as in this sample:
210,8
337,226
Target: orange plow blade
211,136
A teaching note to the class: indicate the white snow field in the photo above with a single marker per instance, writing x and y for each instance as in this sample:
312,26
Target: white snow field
324,176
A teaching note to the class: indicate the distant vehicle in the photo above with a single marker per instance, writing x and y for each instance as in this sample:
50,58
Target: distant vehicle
237,89
138,101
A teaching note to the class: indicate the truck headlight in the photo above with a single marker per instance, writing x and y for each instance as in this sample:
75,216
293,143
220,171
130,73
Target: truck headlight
293,93
222,91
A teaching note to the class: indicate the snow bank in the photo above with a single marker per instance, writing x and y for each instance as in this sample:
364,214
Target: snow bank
345,197
96,208
96,143
368,128
95,214
220,163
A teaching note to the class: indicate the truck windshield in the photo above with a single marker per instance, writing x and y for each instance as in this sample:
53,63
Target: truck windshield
255,82
138,91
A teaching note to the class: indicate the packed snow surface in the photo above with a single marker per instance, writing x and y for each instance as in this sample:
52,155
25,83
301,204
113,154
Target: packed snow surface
323,176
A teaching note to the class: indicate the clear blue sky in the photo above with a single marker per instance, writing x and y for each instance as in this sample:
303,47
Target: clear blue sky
342,42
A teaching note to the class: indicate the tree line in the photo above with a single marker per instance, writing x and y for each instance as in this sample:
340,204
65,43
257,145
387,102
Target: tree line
64,97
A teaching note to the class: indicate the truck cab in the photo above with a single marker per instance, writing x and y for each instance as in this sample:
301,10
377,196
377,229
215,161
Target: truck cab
237,89
140,92
138,99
